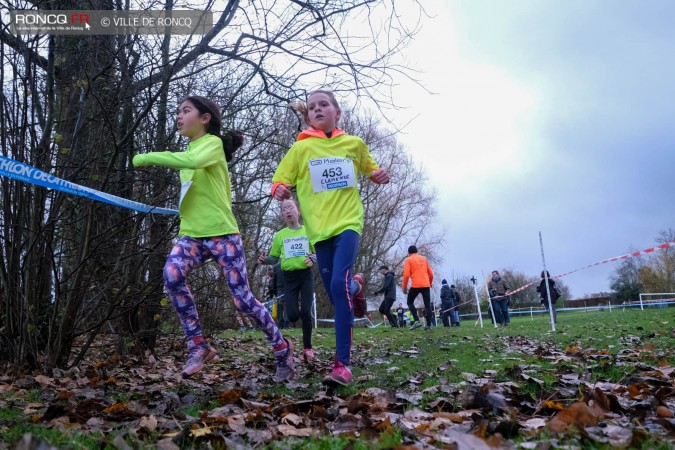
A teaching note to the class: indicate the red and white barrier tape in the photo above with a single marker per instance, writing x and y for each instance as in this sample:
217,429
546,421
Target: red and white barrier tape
605,261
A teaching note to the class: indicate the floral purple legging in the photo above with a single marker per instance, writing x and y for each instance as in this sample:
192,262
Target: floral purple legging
228,252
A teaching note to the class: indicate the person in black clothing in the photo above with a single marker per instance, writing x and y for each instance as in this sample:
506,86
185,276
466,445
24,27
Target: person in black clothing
389,290
553,290
446,303
456,301
400,312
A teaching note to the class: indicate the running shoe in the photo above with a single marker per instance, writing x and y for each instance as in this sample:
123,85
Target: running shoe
309,354
415,325
197,356
285,365
340,374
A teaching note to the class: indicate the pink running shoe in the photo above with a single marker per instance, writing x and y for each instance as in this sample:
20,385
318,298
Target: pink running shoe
197,356
285,365
309,354
340,374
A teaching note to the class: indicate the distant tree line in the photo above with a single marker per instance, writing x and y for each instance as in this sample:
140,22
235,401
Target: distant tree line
653,273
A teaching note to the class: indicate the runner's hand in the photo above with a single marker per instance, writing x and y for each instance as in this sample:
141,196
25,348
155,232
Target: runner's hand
380,176
282,192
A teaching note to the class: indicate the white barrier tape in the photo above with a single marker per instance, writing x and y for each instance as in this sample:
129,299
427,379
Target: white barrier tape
604,261
620,258
453,307
23,172
514,291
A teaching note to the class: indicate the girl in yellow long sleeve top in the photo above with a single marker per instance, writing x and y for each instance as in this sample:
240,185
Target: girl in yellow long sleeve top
323,165
208,230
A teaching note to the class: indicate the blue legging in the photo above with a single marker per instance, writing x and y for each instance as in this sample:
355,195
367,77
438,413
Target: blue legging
336,257
228,252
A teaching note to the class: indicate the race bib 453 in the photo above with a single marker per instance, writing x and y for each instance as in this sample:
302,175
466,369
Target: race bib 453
328,174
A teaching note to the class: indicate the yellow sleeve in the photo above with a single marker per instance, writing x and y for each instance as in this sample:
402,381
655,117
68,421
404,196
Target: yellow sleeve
276,246
287,172
367,164
200,157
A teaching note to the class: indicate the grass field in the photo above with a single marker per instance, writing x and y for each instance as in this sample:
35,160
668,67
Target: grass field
514,387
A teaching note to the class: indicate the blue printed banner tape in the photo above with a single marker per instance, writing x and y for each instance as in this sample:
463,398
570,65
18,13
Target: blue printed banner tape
23,172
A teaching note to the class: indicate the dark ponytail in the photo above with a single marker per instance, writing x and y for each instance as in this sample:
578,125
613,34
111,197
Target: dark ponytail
232,139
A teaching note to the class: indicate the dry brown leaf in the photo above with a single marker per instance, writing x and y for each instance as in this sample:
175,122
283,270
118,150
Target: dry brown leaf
638,391
94,381
662,411
114,408
384,426
552,404
231,396
596,409
578,414
495,441
292,419
289,430
199,432
255,405
44,381
64,395
601,399
453,417
148,422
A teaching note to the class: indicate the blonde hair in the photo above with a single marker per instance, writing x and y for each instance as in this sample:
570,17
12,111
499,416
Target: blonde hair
301,107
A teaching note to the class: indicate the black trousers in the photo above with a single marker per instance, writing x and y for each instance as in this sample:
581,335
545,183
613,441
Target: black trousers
426,296
446,316
385,310
300,283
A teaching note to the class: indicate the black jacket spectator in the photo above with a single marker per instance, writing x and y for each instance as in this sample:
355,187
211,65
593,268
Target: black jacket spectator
388,287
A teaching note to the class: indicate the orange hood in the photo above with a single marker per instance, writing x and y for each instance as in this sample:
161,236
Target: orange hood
312,132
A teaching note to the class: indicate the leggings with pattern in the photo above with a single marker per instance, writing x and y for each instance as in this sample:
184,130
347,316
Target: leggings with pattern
228,252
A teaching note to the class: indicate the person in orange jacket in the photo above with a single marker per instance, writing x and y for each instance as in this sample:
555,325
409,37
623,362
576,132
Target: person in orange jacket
417,269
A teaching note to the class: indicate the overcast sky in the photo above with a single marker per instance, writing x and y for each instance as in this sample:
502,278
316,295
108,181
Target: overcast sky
547,116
